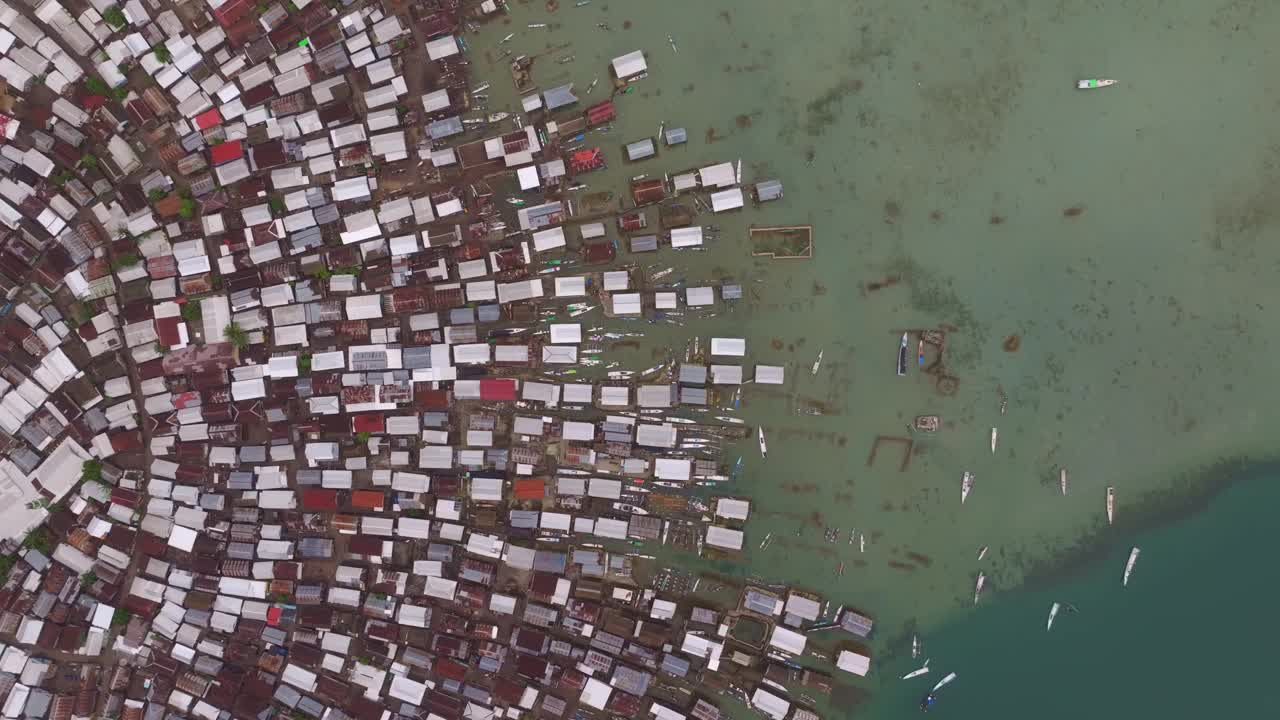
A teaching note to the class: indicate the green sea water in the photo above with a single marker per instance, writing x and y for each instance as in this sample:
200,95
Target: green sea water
1127,236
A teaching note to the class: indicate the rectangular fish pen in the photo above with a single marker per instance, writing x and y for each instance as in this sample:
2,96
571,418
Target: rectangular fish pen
782,242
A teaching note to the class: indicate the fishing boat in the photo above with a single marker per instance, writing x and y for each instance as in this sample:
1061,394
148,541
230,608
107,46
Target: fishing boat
982,553
926,423
764,450
1128,566
920,352
673,44
995,437
1062,480
593,84
862,543
499,116
1111,505
765,542
817,363
930,697
915,647
1094,83
966,486
1053,613
977,588
902,355
922,670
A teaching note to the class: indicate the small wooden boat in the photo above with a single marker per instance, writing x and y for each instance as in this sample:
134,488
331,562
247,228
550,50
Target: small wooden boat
902,356
977,589
926,423
966,486
920,352
922,670
1094,83
1111,505
764,449
1053,613
1062,480
1128,566
817,363
995,437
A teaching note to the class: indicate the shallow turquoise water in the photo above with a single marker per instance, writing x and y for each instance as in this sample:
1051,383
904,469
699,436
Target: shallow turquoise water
1191,637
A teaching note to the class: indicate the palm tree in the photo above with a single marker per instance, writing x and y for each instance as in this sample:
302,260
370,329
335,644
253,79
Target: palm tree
236,335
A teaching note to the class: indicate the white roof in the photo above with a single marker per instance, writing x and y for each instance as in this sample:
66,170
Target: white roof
678,469
788,641
626,303
624,66
364,307
528,176
566,333
575,286
732,508
442,47
699,296
579,430
733,347
770,704
720,175
545,240
853,662
730,199
723,537
686,237
769,374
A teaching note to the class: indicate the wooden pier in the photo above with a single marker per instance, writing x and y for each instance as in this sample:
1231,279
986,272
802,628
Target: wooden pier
782,242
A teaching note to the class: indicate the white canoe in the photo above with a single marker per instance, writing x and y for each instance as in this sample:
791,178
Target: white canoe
1111,505
995,435
1053,613
966,486
922,670
817,363
977,589
1094,83
764,449
1128,566
944,681
1062,480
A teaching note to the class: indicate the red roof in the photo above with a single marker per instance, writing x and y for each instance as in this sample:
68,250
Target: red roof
368,499
530,489
226,152
273,615
601,112
498,389
368,422
208,119
167,330
319,499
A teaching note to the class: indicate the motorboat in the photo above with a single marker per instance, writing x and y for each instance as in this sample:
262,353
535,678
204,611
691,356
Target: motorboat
966,486
977,588
1094,83
1062,480
902,355
922,670
1128,566
764,449
817,363
915,647
995,437
1111,505
982,553
1053,613
926,423
931,697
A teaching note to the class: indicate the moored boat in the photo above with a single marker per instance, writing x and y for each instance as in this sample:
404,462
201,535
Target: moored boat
1111,505
817,363
966,486
1062,480
931,697
995,437
902,355
982,553
1128,566
977,588
920,352
1053,613
922,670
915,646
764,449
926,423
1094,83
